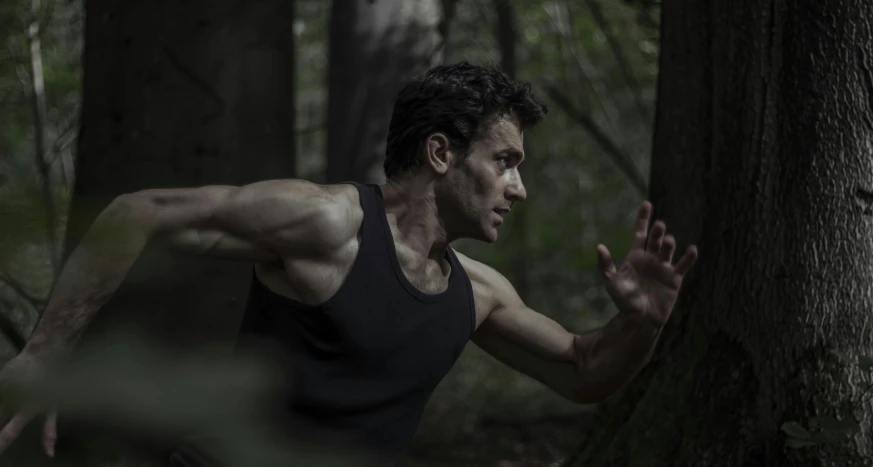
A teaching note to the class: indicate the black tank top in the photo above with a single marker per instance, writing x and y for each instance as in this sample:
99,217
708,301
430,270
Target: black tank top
364,363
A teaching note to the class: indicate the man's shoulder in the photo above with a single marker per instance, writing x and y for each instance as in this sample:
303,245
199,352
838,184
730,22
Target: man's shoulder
320,216
337,204
490,287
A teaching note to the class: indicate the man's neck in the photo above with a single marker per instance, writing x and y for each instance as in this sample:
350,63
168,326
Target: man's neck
412,204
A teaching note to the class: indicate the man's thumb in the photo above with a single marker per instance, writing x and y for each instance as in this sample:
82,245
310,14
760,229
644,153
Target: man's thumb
604,260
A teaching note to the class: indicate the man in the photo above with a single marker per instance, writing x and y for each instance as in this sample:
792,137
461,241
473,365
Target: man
357,285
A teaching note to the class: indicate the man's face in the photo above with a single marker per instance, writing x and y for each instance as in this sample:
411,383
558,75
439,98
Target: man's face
481,187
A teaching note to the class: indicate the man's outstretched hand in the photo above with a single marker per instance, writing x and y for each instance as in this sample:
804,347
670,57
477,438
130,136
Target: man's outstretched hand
648,282
12,422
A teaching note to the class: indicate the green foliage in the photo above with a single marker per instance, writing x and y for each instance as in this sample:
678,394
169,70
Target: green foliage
843,425
128,382
26,266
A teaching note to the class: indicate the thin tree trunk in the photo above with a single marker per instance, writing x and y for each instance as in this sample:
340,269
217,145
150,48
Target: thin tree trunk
761,156
39,135
505,32
374,48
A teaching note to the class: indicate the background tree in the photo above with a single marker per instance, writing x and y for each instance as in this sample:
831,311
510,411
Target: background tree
761,160
39,92
374,48
207,98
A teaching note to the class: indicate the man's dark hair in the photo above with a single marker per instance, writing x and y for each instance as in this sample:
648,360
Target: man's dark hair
459,101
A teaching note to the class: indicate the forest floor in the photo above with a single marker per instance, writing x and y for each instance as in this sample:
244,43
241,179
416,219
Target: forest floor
540,442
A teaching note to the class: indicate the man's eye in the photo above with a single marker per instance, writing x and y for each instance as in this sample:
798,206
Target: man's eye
503,162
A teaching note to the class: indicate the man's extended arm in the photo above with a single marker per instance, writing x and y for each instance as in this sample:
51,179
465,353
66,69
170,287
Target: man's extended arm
584,368
589,367
264,222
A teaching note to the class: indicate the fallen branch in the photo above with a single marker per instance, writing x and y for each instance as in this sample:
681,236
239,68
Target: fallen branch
621,159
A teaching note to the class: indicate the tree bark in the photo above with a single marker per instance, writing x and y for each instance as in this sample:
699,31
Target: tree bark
761,156
182,94
374,48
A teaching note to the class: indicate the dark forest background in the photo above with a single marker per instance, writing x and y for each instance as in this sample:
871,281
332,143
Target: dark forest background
748,124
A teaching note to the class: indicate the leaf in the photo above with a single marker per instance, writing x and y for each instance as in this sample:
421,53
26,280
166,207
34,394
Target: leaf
795,443
865,362
796,430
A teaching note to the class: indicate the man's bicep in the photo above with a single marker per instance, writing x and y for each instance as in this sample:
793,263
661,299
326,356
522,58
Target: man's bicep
260,222
293,217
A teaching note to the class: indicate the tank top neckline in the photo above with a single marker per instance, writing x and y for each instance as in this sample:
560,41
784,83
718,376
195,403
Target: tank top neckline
454,265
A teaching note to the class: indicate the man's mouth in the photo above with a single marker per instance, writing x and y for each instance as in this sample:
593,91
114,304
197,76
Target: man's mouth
500,212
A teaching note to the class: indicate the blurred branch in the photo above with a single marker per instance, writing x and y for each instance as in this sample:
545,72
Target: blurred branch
581,63
562,45
622,160
39,119
59,151
67,136
617,50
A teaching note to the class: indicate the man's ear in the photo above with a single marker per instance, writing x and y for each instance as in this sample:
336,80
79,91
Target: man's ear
438,154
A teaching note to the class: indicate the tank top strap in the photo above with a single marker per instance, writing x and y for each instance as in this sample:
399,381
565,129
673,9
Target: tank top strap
371,227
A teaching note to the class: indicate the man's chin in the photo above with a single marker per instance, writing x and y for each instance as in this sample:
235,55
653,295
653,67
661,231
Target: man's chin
489,235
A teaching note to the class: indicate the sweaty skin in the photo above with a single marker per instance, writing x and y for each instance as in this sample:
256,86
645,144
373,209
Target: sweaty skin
304,239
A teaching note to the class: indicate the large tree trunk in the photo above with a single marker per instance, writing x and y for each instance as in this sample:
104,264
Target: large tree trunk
182,94
374,48
761,157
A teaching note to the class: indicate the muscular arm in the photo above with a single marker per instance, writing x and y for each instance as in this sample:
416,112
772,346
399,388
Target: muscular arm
584,368
266,222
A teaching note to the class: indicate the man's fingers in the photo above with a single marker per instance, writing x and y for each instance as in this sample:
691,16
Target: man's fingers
668,246
687,261
13,429
656,236
50,433
641,226
604,260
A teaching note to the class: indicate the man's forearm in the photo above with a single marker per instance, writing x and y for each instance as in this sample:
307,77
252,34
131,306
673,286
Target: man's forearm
93,272
611,356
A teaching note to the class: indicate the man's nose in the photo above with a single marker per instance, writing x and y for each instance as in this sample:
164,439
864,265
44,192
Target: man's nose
516,191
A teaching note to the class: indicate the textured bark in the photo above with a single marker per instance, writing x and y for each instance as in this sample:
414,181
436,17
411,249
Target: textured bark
374,48
182,94
761,157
